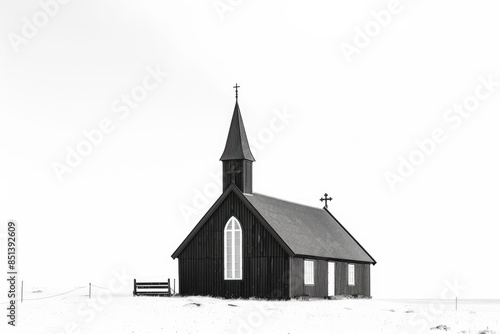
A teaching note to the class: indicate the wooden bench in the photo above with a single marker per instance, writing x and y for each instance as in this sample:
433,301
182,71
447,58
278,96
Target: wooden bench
158,289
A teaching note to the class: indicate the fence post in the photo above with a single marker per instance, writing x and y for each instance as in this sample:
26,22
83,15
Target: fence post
174,286
90,290
169,292
456,303
135,287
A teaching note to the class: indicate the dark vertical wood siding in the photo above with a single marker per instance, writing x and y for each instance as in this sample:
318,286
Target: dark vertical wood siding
247,177
296,278
361,280
265,262
297,285
243,179
320,288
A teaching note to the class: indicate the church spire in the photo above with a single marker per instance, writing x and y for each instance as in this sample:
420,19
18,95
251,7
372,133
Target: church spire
237,146
237,158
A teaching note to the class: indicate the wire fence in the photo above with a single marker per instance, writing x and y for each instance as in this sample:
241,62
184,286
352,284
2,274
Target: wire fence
47,297
89,295
100,287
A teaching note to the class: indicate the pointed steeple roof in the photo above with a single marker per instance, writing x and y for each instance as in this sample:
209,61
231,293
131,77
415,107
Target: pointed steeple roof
237,147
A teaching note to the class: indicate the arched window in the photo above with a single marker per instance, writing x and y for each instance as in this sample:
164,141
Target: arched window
232,250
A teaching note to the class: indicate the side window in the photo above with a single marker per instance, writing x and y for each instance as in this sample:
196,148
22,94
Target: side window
351,274
308,272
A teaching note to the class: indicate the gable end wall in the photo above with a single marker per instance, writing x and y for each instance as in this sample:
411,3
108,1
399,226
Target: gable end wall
265,262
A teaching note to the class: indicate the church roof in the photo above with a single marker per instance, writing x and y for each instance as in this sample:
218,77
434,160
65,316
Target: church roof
237,147
301,230
309,231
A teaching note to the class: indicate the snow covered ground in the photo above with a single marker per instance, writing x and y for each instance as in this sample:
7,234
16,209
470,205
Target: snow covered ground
75,313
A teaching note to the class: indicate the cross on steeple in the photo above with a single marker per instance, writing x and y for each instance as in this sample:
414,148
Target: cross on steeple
236,87
325,199
233,173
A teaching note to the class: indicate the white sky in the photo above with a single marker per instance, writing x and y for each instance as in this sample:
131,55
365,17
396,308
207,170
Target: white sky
121,207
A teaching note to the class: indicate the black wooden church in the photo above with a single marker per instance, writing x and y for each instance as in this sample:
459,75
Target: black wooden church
253,245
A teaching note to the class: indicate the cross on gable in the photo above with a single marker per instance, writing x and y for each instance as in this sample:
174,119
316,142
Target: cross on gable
325,198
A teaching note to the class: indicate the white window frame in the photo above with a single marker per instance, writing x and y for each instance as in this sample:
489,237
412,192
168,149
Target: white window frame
351,274
308,272
236,228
